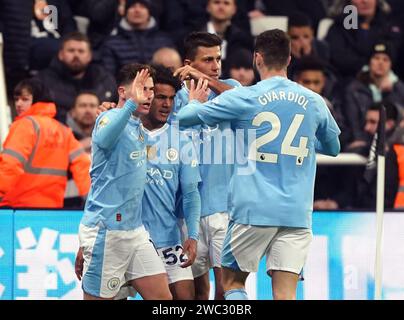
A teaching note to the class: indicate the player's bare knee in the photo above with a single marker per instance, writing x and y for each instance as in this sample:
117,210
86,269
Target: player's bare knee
281,294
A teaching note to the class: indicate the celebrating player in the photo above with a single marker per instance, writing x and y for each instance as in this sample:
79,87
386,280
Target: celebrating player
114,242
272,205
203,62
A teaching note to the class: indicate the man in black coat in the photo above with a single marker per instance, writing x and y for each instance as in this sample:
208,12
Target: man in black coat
72,72
220,23
137,40
349,48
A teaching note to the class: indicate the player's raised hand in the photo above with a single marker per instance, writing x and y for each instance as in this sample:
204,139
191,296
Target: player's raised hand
187,72
189,249
104,107
137,93
200,91
78,264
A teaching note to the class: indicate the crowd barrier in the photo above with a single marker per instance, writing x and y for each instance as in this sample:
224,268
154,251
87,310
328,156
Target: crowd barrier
37,251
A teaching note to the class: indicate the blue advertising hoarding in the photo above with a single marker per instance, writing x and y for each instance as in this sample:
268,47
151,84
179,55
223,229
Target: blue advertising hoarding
38,250
6,254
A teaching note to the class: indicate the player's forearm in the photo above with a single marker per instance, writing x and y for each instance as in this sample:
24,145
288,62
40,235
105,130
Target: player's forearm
106,136
218,86
329,148
188,115
192,209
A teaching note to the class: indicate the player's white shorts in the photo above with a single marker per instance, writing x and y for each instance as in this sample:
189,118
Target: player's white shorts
113,257
285,249
212,232
172,258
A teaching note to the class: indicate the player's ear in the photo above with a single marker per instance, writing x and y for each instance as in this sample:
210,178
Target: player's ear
289,59
187,62
121,92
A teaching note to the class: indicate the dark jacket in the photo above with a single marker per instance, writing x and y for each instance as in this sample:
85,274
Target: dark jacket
15,16
64,88
359,97
236,39
130,46
350,49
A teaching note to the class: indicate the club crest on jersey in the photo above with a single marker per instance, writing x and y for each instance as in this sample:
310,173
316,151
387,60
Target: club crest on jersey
194,163
103,122
172,154
113,283
151,152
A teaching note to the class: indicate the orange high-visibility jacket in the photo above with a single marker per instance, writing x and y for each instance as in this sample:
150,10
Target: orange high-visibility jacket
36,156
399,202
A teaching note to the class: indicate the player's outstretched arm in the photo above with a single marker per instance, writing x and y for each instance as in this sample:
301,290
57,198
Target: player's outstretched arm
187,72
192,212
109,126
329,148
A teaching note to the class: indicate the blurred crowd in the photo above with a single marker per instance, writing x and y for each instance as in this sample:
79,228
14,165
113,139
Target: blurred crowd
355,66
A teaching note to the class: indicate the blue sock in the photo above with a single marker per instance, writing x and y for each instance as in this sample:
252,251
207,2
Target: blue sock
236,294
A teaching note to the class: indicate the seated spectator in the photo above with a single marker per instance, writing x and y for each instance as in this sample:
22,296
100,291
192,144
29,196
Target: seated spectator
72,71
241,67
138,38
38,152
221,13
376,83
349,48
303,41
46,33
311,73
167,57
81,119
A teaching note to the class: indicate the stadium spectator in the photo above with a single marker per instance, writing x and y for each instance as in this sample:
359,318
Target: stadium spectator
15,26
80,119
38,152
137,39
349,48
398,165
47,31
241,67
364,196
167,57
312,73
72,71
303,41
375,83
220,23
182,17
103,16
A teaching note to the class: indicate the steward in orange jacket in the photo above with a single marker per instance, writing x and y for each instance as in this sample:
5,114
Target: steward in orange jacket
37,154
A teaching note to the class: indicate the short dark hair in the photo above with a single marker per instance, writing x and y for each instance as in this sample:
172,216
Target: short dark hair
391,109
35,87
299,19
76,36
199,39
89,92
128,73
274,46
309,63
165,76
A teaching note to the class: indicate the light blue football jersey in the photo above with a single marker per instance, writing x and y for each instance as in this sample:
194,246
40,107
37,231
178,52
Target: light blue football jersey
276,124
215,170
118,173
172,163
